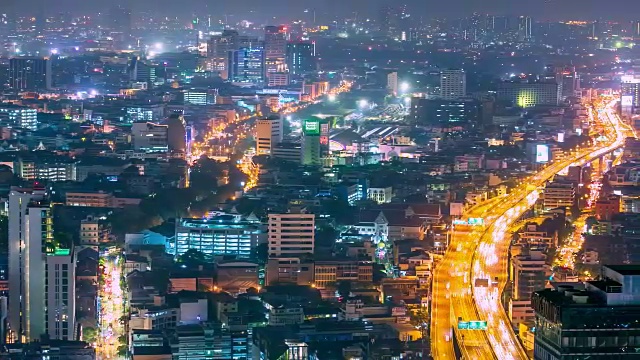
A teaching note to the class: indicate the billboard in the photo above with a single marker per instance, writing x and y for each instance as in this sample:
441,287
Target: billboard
626,100
560,137
542,153
311,127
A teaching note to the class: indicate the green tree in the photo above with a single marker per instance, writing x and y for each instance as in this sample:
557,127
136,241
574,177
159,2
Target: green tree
89,334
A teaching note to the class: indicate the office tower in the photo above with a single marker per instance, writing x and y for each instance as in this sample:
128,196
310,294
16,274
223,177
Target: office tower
593,320
150,137
30,229
29,74
630,91
275,48
200,96
141,71
18,116
291,235
635,29
247,64
269,132
525,28
222,235
60,295
311,145
392,82
176,133
301,57
453,84
566,77
447,113
529,272
218,50
528,94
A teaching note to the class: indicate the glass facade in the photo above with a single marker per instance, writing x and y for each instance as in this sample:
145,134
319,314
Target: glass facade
222,235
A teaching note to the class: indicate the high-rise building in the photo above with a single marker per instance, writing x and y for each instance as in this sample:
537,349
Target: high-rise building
311,145
269,132
247,64
528,94
525,28
453,84
568,80
635,29
630,91
291,235
301,57
446,113
591,320
30,229
392,82
529,272
19,116
275,48
219,47
30,73
60,295
150,137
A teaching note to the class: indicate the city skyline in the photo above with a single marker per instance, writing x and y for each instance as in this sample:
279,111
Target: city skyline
551,10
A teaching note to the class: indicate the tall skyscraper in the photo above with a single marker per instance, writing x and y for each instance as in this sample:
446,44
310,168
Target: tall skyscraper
219,47
529,273
247,64
301,57
453,84
29,73
568,80
60,295
311,145
30,229
275,48
635,29
269,132
291,235
525,28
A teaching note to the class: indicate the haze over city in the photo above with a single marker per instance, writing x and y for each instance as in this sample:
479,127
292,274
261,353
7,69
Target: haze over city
319,180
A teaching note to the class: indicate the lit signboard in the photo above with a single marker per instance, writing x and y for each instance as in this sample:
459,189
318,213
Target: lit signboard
560,137
627,100
542,153
476,221
472,325
312,127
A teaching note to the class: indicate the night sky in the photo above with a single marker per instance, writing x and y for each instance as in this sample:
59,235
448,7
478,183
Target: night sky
542,9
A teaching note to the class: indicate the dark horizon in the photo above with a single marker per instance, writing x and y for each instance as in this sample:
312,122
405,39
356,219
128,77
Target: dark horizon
617,10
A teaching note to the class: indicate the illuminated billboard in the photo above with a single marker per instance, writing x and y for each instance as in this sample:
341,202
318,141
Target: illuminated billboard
311,127
542,153
560,137
627,100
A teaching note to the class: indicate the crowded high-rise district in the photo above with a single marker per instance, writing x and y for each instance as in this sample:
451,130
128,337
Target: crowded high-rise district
319,180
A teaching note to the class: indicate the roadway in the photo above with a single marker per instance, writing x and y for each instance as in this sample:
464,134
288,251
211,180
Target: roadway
482,253
112,309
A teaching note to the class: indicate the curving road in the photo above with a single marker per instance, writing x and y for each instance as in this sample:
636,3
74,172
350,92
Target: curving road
483,254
